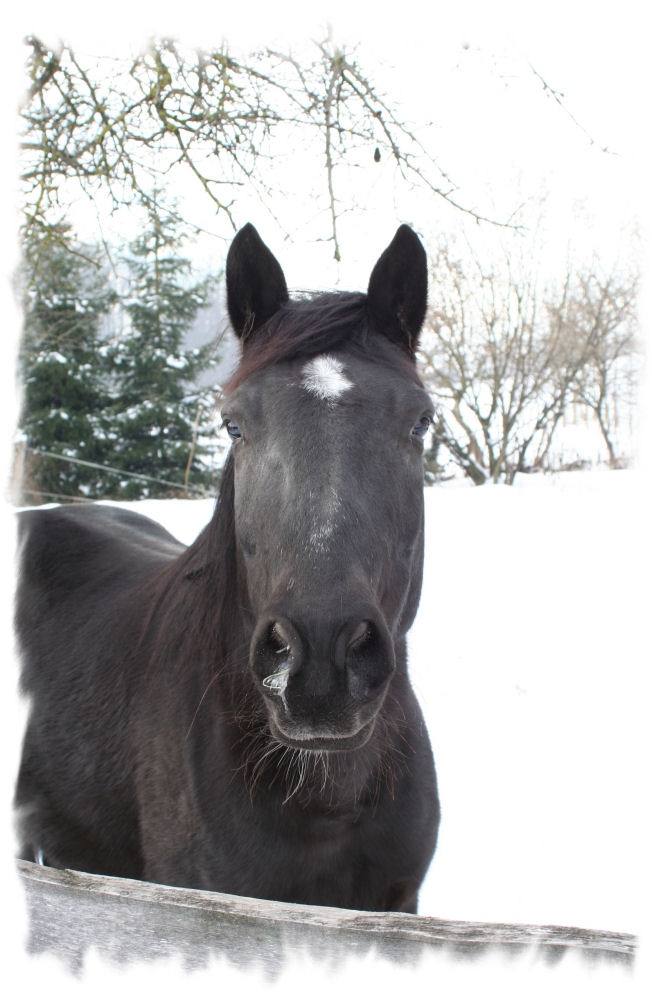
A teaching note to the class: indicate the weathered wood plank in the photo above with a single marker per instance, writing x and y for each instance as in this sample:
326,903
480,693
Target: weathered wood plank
125,920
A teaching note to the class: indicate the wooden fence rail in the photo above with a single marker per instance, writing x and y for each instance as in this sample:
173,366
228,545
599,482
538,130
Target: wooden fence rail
124,920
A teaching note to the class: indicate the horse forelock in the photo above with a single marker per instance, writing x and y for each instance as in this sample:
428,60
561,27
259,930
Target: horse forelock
311,326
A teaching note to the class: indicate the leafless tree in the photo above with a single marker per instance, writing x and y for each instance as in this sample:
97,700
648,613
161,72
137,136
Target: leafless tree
504,356
604,307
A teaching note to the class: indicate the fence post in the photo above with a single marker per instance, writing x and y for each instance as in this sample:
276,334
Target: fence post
18,474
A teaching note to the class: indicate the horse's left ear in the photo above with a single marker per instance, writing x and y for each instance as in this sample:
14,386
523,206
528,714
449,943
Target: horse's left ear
398,289
255,283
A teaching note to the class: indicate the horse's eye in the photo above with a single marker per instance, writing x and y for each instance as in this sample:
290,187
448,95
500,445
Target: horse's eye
232,429
422,426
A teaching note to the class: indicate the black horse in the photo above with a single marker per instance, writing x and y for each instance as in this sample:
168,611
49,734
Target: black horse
237,715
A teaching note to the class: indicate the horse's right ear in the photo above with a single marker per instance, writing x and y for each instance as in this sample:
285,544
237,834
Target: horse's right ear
255,283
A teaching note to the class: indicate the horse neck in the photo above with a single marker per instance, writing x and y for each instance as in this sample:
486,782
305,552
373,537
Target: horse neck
194,618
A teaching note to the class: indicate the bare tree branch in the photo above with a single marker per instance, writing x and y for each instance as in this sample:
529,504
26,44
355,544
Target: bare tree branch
559,98
119,126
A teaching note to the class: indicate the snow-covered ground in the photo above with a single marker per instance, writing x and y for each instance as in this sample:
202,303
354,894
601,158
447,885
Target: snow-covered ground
529,661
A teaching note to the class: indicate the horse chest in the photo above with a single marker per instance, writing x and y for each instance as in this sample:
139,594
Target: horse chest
305,857
328,835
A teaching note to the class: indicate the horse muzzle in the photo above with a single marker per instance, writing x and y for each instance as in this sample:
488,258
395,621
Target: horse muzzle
323,684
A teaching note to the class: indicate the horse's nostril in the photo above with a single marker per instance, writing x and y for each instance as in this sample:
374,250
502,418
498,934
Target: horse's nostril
279,648
369,660
279,640
362,634
275,653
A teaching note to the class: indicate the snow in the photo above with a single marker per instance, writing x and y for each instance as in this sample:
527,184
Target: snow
56,356
527,659
182,518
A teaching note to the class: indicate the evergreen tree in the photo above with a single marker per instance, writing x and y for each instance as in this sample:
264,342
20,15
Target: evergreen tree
158,408
65,404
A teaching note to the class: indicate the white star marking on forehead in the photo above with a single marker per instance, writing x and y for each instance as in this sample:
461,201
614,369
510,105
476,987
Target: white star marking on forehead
324,377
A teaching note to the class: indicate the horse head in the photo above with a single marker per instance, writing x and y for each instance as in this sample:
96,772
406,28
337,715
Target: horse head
327,417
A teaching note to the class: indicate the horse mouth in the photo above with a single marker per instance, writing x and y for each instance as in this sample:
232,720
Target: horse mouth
305,740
